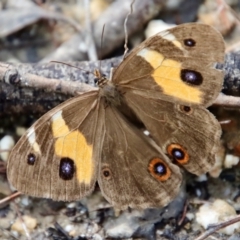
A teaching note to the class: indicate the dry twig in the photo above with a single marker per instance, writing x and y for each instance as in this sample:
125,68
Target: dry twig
216,227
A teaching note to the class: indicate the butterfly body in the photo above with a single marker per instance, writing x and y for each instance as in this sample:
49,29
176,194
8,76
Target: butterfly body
109,92
164,86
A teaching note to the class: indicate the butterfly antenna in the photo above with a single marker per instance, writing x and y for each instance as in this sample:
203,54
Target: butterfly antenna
70,66
100,60
126,32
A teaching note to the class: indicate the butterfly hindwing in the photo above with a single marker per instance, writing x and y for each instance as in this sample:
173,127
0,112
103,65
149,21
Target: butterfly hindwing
133,171
192,132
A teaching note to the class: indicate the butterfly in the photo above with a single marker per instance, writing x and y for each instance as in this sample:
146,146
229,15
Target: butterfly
164,86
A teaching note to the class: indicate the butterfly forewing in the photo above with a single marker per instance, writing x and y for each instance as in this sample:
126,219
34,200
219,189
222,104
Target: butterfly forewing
58,156
175,65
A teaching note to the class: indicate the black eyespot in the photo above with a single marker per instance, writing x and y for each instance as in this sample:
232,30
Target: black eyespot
192,77
106,172
31,158
159,169
185,109
189,42
66,169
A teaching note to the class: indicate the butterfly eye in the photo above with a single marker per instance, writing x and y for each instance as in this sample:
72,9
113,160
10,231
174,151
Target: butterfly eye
159,169
192,77
189,42
31,159
66,168
178,153
96,80
106,172
14,78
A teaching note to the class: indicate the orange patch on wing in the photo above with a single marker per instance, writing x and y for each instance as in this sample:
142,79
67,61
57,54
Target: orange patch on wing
73,144
167,75
59,127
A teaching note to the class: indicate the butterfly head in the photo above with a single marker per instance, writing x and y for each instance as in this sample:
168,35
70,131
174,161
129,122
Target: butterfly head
100,79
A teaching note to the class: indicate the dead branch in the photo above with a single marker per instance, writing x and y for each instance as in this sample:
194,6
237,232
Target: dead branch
213,228
36,88
231,84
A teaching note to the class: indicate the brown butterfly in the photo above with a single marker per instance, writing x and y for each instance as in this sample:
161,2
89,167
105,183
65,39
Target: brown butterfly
164,85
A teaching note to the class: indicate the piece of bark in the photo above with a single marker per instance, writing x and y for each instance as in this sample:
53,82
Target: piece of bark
231,67
39,87
36,88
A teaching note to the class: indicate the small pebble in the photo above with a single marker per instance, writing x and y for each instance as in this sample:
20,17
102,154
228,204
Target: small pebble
190,216
6,144
15,234
201,178
216,212
20,131
69,228
156,26
26,201
29,222
7,220
230,161
71,205
187,226
97,237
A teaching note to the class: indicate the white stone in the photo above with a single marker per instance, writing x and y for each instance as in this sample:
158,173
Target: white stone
69,228
230,161
20,131
216,212
26,201
97,237
190,216
201,178
6,144
156,26
29,222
